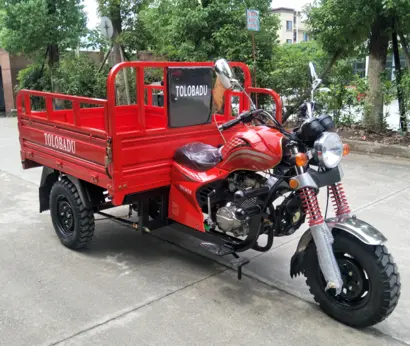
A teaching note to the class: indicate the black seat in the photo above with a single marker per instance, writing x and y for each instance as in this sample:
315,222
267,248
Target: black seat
198,156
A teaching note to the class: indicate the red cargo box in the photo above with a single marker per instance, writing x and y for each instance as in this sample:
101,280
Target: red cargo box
124,149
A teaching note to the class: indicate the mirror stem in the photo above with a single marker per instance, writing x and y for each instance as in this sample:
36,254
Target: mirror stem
253,107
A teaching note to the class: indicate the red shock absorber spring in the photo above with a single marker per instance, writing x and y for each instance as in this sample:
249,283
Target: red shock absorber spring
339,199
311,205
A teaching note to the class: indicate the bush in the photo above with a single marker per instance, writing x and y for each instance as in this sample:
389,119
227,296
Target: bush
80,76
289,75
75,76
34,77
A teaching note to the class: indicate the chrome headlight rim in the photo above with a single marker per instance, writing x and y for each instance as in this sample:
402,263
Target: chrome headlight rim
321,147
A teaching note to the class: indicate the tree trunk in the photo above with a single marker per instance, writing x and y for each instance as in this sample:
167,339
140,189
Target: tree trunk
403,42
397,63
379,43
53,62
53,50
53,56
117,25
122,90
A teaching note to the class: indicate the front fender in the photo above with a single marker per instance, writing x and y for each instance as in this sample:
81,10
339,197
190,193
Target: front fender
361,230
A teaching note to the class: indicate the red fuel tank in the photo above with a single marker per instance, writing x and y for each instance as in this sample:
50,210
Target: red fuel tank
256,149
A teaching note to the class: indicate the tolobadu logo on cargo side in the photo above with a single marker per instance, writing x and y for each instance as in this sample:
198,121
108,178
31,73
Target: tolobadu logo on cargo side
60,143
191,90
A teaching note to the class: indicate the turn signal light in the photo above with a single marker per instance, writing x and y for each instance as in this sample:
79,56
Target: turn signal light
346,149
301,160
293,183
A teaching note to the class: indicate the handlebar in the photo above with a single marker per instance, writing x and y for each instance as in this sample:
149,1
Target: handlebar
229,124
244,117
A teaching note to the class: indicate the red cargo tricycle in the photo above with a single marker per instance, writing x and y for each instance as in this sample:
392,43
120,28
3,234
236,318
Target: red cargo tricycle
236,183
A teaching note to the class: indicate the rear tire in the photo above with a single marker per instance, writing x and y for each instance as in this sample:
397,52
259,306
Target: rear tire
73,222
371,279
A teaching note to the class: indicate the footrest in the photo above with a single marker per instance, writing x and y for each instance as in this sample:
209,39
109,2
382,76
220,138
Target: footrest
215,249
237,263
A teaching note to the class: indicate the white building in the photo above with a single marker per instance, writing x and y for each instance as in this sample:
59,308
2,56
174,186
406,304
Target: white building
292,27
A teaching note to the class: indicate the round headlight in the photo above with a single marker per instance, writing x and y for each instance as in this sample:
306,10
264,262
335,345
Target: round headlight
329,149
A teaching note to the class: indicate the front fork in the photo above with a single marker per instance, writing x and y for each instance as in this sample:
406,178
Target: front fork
321,233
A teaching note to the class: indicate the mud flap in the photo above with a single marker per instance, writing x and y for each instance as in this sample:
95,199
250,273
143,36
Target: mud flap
48,178
296,262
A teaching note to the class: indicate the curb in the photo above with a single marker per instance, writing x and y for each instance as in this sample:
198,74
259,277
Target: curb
378,148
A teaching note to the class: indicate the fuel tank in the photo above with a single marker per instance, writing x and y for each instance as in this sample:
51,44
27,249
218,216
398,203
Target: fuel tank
255,149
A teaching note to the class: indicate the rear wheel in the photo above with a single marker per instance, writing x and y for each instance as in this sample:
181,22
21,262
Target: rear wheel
73,222
371,282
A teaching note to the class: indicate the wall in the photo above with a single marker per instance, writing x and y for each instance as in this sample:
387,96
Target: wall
6,72
283,33
17,63
301,37
285,15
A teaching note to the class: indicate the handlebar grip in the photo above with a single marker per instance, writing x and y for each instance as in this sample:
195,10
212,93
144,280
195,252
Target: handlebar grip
229,124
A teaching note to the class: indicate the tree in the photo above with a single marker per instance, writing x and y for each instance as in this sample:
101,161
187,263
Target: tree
41,27
129,31
350,26
289,72
186,30
75,75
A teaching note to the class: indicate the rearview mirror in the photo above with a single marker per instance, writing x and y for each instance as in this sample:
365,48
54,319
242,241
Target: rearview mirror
313,74
225,73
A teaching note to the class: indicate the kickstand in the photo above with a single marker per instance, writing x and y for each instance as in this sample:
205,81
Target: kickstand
238,263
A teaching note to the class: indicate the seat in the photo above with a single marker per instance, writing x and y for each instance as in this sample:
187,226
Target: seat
198,156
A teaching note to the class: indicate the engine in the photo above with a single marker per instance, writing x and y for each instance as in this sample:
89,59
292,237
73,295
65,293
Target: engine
245,181
227,221
225,216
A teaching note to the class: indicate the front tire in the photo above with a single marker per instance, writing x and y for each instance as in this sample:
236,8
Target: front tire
73,222
371,280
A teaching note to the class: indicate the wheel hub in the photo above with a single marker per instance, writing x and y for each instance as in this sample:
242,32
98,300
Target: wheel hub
65,214
356,285
353,279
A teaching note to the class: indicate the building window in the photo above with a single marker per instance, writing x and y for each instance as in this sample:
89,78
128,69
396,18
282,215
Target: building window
359,68
289,41
305,36
289,25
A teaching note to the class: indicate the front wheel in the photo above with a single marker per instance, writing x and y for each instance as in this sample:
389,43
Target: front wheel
371,282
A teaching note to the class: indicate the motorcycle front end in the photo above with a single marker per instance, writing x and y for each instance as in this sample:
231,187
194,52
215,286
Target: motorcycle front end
347,266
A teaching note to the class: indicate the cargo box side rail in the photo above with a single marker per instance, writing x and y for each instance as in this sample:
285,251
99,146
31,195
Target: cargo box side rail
252,90
24,109
73,140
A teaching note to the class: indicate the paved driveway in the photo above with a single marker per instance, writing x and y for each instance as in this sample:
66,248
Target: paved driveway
130,289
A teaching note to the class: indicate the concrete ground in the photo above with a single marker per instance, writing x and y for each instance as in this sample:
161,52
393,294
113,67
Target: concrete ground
130,289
